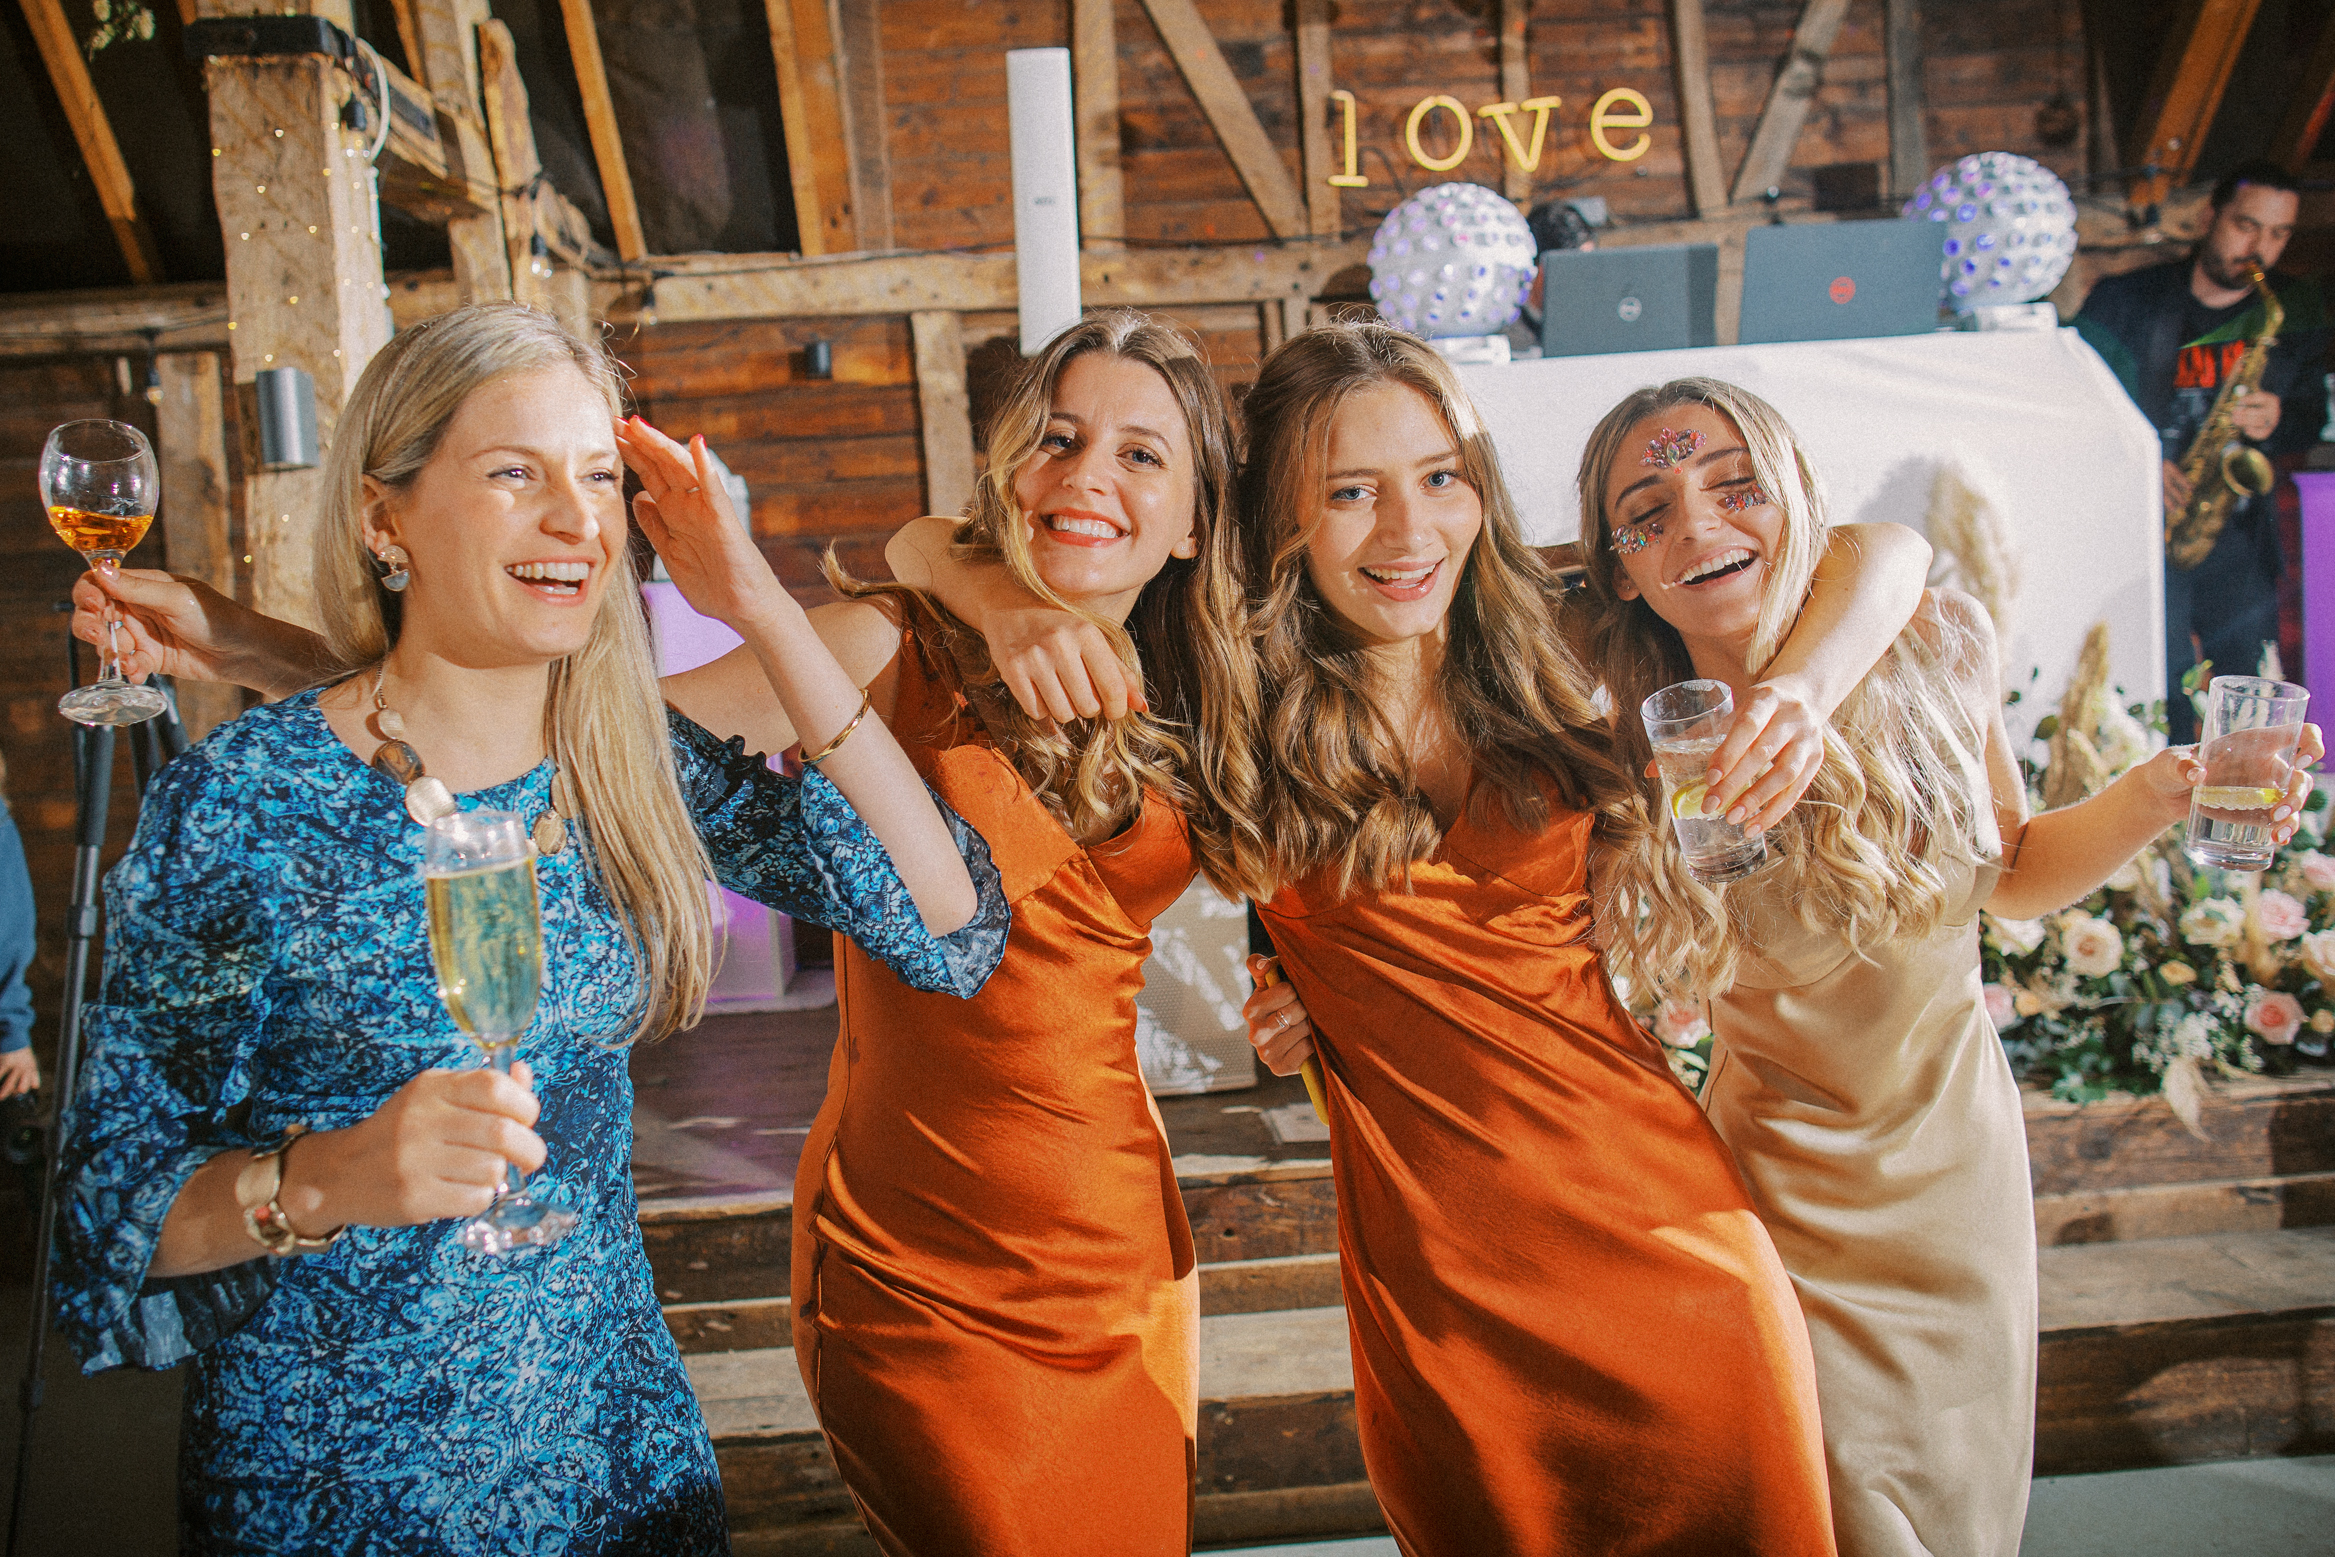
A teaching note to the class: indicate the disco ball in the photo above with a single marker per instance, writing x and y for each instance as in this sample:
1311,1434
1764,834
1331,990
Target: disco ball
2011,228
1452,260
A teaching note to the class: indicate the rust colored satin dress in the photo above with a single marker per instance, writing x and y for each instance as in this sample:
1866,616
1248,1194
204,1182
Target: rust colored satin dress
1571,1334
996,1304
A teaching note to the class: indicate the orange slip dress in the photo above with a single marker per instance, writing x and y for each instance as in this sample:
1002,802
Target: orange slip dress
996,1303
1571,1334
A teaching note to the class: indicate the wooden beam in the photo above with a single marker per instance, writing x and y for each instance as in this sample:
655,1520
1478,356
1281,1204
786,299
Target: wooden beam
1094,78
1690,59
859,40
93,132
1909,142
944,410
765,287
1515,87
2306,119
178,316
304,283
1786,109
810,110
1317,150
447,31
2187,90
409,34
600,122
511,133
190,445
1254,156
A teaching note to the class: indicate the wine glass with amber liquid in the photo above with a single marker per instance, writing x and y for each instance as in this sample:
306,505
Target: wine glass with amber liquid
486,942
100,485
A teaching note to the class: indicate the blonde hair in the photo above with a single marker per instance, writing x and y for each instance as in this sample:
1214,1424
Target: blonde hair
1900,802
1334,786
604,720
1182,635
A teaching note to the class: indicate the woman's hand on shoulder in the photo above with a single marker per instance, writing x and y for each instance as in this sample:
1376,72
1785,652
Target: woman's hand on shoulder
1279,1029
437,1148
1058,665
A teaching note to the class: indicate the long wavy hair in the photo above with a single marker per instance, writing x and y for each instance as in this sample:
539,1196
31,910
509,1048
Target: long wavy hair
1901,802
1333,782
1182,635
604,721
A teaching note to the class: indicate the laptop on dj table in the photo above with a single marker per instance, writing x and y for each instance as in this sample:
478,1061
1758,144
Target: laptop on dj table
1657,298
1839,280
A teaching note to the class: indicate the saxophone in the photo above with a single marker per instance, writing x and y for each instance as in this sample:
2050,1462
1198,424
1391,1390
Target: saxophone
2221,466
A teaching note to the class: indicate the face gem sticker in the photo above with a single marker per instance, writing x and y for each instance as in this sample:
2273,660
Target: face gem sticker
1740,499
1671,448
1631,539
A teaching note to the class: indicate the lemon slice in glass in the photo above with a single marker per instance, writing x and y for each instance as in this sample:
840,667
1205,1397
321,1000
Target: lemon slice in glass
2237,797
1689,801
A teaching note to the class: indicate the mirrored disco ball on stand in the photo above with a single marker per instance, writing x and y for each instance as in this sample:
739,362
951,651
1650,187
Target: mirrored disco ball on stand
2010,233
1451,262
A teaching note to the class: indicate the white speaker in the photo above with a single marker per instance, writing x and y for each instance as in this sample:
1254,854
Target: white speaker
1045,192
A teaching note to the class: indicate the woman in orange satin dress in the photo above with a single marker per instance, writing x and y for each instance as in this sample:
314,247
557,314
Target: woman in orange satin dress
996,1301
1571,1334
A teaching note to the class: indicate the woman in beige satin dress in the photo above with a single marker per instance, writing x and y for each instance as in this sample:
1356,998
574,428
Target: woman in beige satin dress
1855,1076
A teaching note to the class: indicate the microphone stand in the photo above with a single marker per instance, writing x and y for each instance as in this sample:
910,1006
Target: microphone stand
157,741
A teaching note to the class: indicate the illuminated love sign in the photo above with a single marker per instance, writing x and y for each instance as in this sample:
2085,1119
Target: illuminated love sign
1623,108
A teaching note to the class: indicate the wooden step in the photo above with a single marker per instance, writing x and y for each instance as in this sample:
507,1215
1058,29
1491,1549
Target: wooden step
2175,1351
1278,1454
2192,1210
2256,1127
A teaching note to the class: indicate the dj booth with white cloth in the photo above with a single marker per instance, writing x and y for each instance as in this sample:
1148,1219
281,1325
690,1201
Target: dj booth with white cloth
2033,420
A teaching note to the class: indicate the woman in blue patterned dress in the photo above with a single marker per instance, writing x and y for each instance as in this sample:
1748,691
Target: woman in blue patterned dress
278,1121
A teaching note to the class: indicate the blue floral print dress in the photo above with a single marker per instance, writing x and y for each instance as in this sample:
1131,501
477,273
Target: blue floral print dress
268,965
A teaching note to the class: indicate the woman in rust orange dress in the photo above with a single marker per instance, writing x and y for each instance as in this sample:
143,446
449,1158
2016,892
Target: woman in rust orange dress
1571,1333
996,1301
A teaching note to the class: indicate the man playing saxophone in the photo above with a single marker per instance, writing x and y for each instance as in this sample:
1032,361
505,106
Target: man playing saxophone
2152,327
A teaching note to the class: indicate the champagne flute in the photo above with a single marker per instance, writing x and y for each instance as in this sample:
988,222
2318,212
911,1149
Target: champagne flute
486,941
100,486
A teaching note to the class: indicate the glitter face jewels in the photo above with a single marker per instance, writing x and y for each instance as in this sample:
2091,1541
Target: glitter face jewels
1632,539
1669,448
1740,499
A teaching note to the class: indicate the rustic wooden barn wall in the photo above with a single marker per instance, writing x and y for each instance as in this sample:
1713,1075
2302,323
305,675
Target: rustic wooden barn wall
36,570
1987,65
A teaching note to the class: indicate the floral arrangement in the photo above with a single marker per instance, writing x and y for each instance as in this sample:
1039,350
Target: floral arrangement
2172,971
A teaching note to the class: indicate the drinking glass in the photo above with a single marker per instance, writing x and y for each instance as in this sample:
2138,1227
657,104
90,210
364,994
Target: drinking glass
486,940
100,486
1687,722
2252,728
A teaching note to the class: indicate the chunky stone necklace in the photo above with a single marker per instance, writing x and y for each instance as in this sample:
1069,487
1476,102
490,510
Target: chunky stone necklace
427,798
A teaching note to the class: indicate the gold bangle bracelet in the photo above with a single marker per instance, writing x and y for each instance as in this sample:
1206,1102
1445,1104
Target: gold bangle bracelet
836,745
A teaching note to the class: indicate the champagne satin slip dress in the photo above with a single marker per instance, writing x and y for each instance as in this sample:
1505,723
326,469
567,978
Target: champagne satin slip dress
997,1307
1571,1334
1870,1107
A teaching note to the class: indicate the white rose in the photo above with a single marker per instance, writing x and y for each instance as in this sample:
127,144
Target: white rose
2319,955
2017,936
2124,741
2214,921
2094,948
1680,1024
2127,878
2318,871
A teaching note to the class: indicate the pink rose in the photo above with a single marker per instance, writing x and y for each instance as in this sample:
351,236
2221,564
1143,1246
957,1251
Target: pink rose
2279,917
2002,1007
1680,1024
2318,871
2274,1017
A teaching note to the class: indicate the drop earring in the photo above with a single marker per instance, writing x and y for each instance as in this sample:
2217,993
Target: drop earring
396,572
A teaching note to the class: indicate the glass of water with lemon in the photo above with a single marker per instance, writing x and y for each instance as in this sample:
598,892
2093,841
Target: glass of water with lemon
1686,723
2252,730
